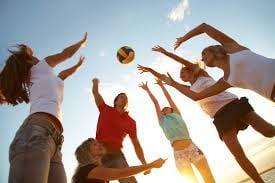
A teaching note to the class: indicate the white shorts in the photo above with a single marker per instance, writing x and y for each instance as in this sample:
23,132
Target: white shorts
191,154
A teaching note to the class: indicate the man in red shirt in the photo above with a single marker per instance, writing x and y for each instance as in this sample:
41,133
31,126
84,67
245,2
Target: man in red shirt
113,125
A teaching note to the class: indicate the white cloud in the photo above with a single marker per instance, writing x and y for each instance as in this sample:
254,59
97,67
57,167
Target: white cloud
178,13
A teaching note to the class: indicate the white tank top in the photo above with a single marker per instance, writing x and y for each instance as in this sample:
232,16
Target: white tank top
249,70
46,90
211,105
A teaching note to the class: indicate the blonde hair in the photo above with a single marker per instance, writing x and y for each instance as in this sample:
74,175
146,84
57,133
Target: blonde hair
84,157
197,70
83,153
218,51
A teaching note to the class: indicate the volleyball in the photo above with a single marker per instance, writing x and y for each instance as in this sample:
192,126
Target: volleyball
125,55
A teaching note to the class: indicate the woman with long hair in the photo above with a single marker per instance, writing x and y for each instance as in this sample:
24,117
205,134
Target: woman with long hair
242,67
230,113
35,152
175,129
91,170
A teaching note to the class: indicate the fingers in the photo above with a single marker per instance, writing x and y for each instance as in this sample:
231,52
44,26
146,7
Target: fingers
178,43
147,172
168,74
80,61
85,35
84,40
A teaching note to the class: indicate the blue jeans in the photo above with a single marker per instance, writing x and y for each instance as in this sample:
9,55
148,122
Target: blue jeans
118,160
34,156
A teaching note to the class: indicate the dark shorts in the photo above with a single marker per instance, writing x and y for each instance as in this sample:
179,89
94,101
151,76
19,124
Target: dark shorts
228,117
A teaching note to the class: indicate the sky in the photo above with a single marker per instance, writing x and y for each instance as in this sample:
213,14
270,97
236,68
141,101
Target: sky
49,26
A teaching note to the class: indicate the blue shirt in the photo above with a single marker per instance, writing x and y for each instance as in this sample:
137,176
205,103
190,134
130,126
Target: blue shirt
174,127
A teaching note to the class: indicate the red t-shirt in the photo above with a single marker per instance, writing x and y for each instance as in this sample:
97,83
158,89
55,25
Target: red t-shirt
112,127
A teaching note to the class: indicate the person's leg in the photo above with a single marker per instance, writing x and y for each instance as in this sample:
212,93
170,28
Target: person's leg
117,160
231,141
205,171
199,160
259,124
187,173
182,161
30,155
57,172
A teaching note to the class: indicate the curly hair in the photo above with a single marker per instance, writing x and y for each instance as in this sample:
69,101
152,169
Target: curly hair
15,77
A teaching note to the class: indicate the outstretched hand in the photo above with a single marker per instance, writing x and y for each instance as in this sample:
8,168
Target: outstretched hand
144,86
80,61
158,163
158,49
95,81
168,79
84,40
159,81
143,69
178,42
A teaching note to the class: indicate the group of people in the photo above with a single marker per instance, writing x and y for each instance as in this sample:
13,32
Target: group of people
35,152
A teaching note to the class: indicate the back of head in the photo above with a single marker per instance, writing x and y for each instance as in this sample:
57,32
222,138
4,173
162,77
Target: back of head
218,51
15,77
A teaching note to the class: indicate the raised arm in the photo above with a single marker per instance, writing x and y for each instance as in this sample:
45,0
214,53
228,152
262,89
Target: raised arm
214,33
66,73
143,69
68,52
104,173
168,97
145,87
97,96
174,56
215,89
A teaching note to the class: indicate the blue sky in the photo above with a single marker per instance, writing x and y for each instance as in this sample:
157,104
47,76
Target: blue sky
50,26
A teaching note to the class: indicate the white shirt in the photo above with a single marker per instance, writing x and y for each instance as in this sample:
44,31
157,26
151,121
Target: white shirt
46,90
211,105
252,71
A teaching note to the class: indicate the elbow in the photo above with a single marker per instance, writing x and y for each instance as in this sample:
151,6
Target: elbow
204,25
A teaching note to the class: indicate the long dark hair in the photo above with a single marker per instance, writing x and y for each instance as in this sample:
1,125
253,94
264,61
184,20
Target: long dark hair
15,77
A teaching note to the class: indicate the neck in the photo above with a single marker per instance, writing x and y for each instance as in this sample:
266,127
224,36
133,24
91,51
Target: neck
223,64
192,81
119,109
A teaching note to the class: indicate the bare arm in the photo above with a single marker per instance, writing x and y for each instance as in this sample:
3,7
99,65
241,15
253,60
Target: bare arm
97,96
152,97
104,173
152,71
138,150
68,52
174,56
168,97
66,73
215,89
229,43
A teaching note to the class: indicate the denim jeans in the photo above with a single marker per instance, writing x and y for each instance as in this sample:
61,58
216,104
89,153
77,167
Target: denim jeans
34,156
118,160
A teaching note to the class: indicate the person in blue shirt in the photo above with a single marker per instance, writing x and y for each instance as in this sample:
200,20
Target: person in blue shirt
175,130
